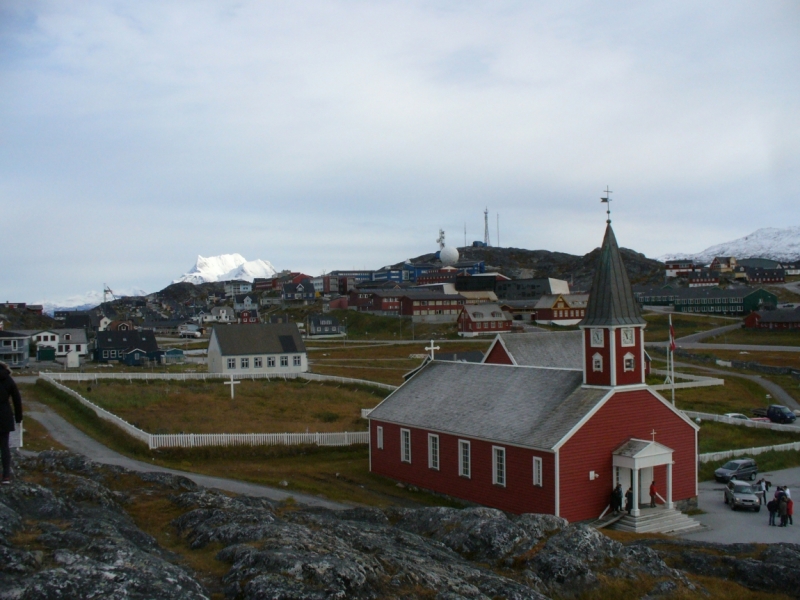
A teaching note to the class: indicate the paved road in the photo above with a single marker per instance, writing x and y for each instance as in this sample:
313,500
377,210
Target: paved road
728,527
79,442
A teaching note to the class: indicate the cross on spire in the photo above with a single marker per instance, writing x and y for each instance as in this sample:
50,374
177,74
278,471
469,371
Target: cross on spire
607,200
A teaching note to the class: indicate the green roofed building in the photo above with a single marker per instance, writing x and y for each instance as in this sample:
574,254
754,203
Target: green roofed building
735,300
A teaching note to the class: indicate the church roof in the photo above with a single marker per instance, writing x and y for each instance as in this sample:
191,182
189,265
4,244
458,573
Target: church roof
526,407
545,349
611,301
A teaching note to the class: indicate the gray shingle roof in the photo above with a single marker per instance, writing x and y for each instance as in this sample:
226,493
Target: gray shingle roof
562,349
267,338
526,407
611,301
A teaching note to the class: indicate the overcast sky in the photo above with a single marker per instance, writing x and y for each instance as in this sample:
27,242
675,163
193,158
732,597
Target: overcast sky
321,135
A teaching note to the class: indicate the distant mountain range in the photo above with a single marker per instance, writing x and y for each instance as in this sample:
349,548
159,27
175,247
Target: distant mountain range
226,267
781,244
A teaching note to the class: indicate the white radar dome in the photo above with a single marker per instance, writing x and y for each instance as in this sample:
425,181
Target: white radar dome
448,256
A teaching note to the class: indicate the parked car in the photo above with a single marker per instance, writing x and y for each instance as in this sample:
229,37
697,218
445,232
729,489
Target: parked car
776,413
738,416
740,469
740,494
190,334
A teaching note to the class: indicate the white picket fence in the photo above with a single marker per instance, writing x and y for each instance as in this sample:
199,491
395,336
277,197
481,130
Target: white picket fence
725,454
131,377
197,440
693,381
741,422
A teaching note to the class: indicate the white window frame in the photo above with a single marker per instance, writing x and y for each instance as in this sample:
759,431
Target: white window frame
379,434
105,353
405,445
464,459
537,471
244,362
284,361
433,451
629,362
499,466
597,363
271,362
231,363
258,362
297,361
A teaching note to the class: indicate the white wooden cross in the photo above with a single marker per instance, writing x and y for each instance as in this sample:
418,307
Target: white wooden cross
432,348
653,433
232,383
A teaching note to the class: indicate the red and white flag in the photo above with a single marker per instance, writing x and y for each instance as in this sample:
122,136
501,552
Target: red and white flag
671,335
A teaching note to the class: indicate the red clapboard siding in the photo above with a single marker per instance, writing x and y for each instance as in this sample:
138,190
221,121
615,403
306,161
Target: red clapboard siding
629,377
518,496
602,377
625,415
498,356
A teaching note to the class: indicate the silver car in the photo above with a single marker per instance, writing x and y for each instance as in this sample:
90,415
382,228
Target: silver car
740,494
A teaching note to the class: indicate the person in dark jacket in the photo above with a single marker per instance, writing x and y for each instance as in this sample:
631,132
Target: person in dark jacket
8,392
616,499
629,500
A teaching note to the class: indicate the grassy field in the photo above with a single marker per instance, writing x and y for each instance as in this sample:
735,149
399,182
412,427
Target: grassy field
340,474
657,329
260,406
759,337
716,437
782,293
775,359
737,395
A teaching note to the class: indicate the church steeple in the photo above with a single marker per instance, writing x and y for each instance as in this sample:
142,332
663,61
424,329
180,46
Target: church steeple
613,324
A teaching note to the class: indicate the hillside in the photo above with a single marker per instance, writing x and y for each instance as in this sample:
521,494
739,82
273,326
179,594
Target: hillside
519,263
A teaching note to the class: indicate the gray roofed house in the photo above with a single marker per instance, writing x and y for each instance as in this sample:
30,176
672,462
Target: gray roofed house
611,301
270,348
528,407
559,349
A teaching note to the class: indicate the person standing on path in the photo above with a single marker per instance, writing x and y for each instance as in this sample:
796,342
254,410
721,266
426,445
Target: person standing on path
789,509
653,494
8,391
629,500
772,507
783,507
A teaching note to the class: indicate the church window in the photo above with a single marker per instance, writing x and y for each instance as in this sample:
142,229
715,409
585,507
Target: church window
433,451
296,361
629,362
258,362
405,445
231,363
245,363
463,459
270,361
284,361
499,466
537,471
380,437
597,362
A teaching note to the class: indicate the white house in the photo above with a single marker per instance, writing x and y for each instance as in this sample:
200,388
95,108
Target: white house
273,348
63,341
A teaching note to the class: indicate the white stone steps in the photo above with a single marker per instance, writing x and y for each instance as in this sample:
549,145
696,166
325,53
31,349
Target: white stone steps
657,520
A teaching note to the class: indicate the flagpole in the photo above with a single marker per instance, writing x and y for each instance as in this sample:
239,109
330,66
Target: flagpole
672,355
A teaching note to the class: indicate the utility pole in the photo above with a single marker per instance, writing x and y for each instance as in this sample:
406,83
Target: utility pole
486,239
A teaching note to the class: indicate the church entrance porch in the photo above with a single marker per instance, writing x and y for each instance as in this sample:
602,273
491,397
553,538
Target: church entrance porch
634,466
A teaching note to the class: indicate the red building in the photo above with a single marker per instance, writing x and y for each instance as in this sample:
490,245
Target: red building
780,318
549,439
561,309
248,317
482,319
421,305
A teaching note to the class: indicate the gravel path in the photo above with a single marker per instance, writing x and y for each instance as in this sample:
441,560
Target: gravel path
77,441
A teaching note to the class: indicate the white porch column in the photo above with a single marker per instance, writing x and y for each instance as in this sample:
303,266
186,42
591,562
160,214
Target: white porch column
635,484
669,485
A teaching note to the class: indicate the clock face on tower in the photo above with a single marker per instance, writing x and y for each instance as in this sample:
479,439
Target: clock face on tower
627,336
597,338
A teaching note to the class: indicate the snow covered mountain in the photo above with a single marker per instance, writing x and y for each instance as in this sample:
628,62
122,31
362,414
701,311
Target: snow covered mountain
226,267
769,242
85,301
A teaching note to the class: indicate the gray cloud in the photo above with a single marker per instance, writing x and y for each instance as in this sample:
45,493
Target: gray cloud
322,135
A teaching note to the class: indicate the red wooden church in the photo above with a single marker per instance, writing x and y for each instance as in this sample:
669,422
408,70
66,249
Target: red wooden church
550,433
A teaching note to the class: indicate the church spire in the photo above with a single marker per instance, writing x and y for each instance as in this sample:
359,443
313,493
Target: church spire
611,299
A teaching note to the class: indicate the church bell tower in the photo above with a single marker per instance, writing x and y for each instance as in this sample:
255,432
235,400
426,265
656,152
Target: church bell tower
613,327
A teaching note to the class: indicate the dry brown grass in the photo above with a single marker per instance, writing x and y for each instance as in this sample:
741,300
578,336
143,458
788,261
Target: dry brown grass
758,337
737,395
775,359
36,438
259,406
368,371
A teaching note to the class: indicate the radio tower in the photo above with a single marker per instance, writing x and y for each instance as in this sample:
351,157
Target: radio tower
486,239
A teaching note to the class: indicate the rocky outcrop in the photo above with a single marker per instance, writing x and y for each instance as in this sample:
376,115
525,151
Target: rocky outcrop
66,532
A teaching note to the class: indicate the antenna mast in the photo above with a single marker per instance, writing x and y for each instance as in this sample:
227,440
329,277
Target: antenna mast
498,230
486,239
